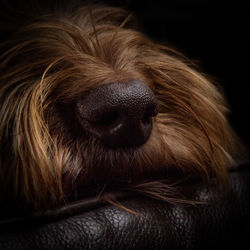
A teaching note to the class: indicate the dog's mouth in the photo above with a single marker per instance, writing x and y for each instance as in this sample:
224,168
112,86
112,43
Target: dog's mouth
95,167
109,170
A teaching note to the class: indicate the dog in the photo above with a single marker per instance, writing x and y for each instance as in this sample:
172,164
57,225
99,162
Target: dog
89,103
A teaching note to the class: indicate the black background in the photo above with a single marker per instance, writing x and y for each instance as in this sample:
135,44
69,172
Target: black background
214,35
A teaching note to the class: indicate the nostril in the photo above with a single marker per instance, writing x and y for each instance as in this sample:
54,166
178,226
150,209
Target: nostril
108,119
150,111
146,120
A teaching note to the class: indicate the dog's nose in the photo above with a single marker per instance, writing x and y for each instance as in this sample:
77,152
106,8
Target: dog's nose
119,114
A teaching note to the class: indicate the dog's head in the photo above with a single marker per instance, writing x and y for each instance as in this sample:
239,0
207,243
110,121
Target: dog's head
86,102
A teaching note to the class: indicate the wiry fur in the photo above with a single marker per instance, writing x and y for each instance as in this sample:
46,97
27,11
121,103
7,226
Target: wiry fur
54,59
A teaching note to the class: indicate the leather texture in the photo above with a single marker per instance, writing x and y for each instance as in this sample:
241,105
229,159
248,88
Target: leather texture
220,221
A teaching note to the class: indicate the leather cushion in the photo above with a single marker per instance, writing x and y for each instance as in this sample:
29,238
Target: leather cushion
221,221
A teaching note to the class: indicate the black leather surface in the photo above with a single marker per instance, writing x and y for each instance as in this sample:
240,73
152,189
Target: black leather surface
221,222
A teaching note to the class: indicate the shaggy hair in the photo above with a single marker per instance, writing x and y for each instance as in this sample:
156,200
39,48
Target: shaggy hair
53,59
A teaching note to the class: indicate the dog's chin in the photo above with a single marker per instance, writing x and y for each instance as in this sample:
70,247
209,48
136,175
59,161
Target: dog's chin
112,169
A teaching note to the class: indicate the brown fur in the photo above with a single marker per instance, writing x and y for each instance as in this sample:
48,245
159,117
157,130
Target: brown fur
52,60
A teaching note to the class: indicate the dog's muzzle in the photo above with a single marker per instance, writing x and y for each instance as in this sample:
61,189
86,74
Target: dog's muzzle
119,114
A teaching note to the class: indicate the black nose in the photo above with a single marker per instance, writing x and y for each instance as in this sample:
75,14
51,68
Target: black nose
119,114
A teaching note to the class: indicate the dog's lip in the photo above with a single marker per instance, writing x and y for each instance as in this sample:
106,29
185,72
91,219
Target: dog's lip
105,184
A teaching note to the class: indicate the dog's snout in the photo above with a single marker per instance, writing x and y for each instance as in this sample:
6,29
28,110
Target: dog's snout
119,114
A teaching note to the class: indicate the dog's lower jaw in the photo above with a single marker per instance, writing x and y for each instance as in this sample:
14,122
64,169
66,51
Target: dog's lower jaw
161,158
